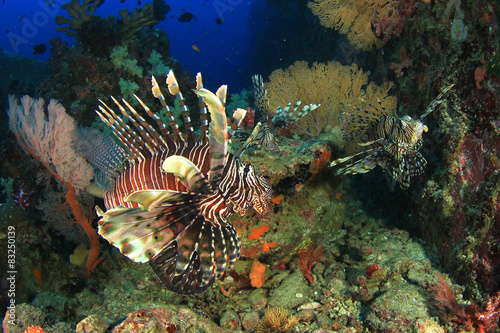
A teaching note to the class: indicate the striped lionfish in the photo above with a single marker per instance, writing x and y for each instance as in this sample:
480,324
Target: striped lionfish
171,193
264,133
394,142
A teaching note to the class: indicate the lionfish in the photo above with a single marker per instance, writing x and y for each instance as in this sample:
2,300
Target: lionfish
394,142
169,194
264,132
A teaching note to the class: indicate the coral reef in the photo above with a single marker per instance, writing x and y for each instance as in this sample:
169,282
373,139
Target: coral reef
48,139
340,254
367,23
91,78
332,85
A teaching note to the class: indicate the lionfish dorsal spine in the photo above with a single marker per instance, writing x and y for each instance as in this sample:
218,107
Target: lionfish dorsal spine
203,111
173,88
163,137
221,94
237,118
218,135
138,127
177,135
438,100
148,133
260,95
120,130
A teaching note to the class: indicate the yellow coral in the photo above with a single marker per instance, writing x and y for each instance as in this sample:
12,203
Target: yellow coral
276,319
335,86
354,18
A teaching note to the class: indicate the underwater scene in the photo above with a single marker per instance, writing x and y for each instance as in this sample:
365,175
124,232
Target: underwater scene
262,166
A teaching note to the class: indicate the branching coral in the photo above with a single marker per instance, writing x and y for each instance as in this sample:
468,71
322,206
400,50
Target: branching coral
332,85
355,17
79,13
140,19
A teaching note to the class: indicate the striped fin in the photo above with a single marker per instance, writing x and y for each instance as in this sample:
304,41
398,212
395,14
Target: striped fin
151,199
141,234
372,158
203,111
249,140
237,118
218,135
173,125
146,131
187,172
260,97
287,116
121,130
213,250
438,100
164,136
173,88
221,94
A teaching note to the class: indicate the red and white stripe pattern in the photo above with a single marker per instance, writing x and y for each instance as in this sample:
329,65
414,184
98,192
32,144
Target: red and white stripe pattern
165,206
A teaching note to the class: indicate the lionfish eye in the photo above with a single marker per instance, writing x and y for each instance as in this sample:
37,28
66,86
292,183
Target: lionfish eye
246,170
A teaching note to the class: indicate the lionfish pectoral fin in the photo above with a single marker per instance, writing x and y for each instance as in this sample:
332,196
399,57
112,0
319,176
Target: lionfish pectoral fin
137,233
364,144
187,172
233,244
206,252
151,199
361,164
198,256
187,244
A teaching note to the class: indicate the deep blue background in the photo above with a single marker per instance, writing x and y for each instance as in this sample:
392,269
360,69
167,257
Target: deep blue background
225,49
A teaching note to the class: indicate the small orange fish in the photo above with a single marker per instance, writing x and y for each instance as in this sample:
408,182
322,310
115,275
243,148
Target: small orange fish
196,48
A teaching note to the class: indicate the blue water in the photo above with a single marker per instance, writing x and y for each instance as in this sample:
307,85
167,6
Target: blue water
224,48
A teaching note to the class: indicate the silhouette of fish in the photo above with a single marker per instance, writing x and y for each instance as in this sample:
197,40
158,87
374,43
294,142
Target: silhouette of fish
39,49
186,17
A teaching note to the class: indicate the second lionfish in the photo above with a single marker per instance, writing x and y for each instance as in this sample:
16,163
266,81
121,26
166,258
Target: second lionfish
169,194
393,142
266,127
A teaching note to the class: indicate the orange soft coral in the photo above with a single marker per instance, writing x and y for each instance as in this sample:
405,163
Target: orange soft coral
257,274
257,232
34,329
